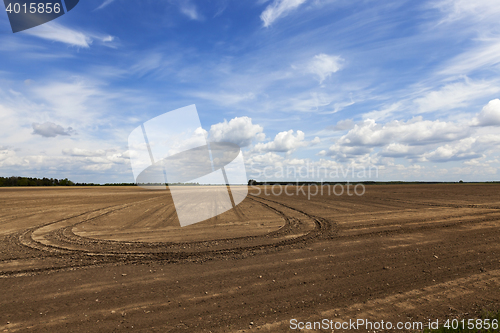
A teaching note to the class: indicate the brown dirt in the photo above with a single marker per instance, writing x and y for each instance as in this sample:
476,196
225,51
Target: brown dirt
113,259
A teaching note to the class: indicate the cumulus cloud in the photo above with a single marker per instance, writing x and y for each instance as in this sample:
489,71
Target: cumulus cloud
283,142
273,166
239,130
489,115
402,150
420,140
415,131
9,158
342,152
277,9
50,130
266,159
415,140
324,65
342,125
461,150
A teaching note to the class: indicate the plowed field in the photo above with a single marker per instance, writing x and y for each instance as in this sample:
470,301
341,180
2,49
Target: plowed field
114,259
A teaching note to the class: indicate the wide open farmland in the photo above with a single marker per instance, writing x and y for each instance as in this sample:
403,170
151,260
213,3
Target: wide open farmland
114,259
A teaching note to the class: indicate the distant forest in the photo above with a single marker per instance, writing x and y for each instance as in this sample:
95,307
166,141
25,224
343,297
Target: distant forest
28,181
253,182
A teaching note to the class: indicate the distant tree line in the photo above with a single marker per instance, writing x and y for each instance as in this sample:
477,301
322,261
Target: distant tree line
253,182
29,181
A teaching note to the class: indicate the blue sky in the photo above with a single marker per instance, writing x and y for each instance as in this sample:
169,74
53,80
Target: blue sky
408,87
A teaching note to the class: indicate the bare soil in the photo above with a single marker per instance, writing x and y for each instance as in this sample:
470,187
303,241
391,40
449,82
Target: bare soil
114,259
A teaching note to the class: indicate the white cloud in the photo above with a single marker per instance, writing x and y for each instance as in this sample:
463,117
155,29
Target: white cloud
342,125
478,10
59,33
50,130
396,150
454,95
461,150
486,55
104,4
342,152
224,98
309,102
147,63
9,158
415,131
324,65
239,130
5,154
76,100
419,140
402,150
73,162
83,152
190,10
98,167
385,112
283,142
266,159
108,38
277,9
271,166
339,106
489,115
56,32
45,109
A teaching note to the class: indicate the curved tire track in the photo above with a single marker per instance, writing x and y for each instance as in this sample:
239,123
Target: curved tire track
56,241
